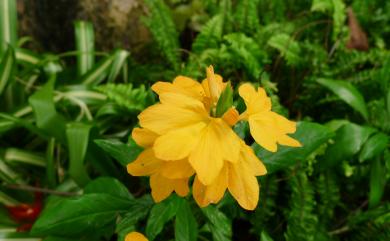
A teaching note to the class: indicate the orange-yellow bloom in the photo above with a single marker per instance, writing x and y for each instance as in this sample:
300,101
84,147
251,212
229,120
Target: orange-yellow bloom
189,133
135,236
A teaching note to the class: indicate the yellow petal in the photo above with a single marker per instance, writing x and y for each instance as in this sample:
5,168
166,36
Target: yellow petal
285,125
204,195
231,116
182,85
143,137
177,169
161,187
248,156
288,141
183,101
181,186
162,118
254,101
243,186
264,130
217,143
178,144
135,236
145,164
214,89
247,92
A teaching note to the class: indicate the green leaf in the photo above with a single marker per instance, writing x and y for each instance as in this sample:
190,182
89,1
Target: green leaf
120,151
24,56
225,101
80,216
310,135
160,214
138,211
265,237
78,138
120,57
24,156
348,93
7,66
45,112
85,45
51,171
347,142
8,24
186,227
108,185
322,5
377,182
220,225
375,145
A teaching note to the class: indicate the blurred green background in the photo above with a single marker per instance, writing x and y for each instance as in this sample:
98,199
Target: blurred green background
74,75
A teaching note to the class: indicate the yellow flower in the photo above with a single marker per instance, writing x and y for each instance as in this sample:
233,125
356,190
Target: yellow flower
239,178
267,128
165,176
135,236
186,128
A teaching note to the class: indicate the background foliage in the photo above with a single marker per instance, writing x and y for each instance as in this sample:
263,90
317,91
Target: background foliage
66,118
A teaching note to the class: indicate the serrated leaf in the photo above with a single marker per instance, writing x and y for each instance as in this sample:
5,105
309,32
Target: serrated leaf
288,47
210,35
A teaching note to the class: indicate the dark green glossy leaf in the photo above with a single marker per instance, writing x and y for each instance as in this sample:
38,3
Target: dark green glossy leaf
79,216
311,136
108,185
348,93
120,151
265,237
220,225
347,142
375,145
160,214
78,138
186,227
225,101
377,182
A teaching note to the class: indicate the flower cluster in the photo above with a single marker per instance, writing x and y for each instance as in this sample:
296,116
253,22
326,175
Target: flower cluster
189,133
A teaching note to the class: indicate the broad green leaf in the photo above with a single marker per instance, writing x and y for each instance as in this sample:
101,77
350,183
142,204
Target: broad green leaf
375,145
138,211
46,116
220,225
348,93
120,57
15,121
7,66
120,151
10,234
186,227
80,216
108,185
85,45
160,214
8,24
377,182
225,101
100,71
78,138
347,142
311,136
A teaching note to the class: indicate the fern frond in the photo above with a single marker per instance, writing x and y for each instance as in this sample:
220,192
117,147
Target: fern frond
163,29
246,16
302,222
125,96
246,52
210,36
329,196
287,46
